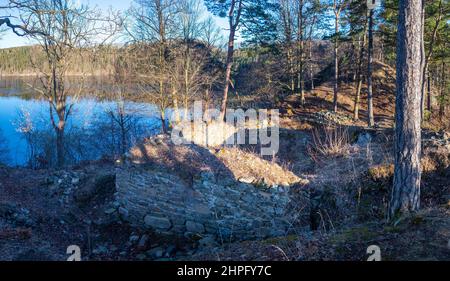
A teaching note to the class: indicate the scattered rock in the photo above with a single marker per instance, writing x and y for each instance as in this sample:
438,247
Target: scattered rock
101,186
171,250
141,257
156,253
195,227
15,215
100,250
123,212
157,223
133,238
208,241
247,180
110,211
446,135
326,117
143,242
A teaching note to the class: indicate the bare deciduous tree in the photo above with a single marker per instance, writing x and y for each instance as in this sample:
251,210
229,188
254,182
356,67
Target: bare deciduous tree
338,6
286,16
153,27
63,29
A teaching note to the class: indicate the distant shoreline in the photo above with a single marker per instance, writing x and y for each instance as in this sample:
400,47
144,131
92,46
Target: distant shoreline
67,75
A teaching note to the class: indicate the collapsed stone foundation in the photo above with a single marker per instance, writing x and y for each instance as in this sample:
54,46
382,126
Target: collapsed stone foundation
225,208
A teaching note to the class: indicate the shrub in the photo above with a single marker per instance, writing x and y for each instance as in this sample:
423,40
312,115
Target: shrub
381,172
331,142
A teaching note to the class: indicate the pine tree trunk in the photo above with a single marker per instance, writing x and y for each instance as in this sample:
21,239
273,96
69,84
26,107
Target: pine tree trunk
310,59
228,73
425,76
362,46
370,117
406,190
234,23
336,65
442,91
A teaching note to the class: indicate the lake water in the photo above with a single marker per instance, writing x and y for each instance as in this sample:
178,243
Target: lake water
16,97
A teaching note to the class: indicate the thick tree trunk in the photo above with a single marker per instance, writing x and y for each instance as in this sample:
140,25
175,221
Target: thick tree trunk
370,117
406,190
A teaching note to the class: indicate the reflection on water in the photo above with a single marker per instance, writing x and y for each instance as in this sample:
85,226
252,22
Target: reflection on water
89,115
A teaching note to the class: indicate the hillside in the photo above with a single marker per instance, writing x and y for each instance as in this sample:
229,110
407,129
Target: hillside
21,61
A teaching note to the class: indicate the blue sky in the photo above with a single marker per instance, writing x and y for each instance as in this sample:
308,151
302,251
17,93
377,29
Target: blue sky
9,39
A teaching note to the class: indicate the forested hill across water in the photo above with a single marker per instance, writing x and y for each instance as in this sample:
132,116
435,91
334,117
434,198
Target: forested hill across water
22,61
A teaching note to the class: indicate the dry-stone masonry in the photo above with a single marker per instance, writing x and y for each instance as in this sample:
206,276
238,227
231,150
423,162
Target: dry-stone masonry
225,208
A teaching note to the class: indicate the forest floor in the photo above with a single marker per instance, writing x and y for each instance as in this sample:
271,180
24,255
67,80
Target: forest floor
42,212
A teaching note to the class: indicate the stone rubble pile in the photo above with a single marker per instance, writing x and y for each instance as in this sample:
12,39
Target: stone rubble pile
327,117
16,216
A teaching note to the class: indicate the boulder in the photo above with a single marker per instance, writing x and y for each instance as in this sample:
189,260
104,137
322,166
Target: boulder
157,223
195,227
143,242
101,186
247,180
156,253
208,241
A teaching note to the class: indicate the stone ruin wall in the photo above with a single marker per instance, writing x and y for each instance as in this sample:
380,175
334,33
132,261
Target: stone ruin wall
226,209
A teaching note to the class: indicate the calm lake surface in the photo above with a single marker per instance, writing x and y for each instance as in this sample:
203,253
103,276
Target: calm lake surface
17,96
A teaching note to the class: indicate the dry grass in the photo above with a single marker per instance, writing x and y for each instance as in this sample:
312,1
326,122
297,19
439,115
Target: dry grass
381,172
245,164
224,162
330,142
428,164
